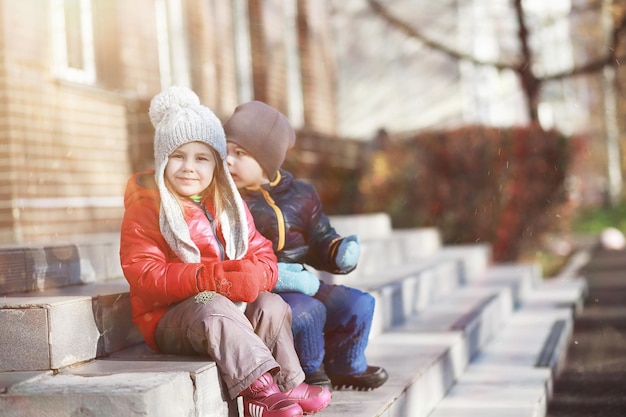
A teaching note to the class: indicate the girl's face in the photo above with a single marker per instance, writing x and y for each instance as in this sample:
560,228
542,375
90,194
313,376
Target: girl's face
244,169
190,168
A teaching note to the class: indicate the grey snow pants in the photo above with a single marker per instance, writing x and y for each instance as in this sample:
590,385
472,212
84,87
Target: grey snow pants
244,345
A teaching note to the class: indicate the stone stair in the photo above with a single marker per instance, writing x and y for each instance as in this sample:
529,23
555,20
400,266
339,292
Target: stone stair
460,335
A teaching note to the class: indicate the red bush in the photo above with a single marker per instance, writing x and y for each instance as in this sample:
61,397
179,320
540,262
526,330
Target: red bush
501,186
475,184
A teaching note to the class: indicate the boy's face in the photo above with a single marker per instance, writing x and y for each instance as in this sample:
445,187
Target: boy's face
190,168
244,169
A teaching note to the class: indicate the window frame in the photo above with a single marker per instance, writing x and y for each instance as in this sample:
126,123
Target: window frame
61,65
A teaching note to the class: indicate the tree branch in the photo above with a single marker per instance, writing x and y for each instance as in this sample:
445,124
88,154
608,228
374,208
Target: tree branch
587,68
398,24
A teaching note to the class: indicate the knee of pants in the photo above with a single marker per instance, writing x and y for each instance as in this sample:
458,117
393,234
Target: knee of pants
268,306
363,305
183,328
346,304
302,303
306,312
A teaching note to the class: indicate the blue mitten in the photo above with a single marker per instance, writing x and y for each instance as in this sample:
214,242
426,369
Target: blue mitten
348,253
294,278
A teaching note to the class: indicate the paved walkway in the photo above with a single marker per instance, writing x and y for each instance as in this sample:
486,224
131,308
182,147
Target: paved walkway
593,382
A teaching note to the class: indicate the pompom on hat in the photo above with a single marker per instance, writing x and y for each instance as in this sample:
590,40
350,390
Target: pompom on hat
264,132
179,118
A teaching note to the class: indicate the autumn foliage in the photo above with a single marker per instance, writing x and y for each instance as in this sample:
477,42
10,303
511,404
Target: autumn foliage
475,184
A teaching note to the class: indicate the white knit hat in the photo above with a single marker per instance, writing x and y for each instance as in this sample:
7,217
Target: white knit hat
179,118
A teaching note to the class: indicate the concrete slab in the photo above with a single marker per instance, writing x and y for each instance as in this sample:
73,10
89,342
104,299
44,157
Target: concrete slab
486,410
475,259
157,394
40,336
513,391
444,353
522,339
23,345
13,271
209,395
417,371
567,292
367,226
10,379
419,242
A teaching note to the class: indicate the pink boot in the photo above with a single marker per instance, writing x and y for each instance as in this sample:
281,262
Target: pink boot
312,398
263,399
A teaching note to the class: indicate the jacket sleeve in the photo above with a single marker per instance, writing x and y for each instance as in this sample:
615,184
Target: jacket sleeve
323,240
153,272
261,247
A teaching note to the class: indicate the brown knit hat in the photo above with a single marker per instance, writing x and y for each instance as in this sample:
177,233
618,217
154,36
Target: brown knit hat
264,132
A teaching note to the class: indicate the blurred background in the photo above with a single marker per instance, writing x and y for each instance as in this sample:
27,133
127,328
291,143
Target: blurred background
496,121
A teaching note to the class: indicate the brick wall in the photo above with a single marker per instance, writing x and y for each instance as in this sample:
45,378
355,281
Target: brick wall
67,144
68,148
318,67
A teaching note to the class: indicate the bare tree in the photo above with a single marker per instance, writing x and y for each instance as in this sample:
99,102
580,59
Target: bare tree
605,63
531,82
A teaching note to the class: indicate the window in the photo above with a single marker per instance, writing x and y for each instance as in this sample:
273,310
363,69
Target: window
72,37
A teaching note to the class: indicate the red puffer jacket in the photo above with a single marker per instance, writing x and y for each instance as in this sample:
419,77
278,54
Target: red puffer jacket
157,277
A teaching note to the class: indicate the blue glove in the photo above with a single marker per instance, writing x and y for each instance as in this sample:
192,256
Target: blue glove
294,278
348,253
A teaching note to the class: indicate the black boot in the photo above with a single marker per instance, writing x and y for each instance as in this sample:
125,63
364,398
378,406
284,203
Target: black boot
373,377
320,378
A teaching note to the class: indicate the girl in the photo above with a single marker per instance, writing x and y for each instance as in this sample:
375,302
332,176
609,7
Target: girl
198,270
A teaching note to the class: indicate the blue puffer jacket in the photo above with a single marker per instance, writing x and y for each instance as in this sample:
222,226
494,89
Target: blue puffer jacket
289,213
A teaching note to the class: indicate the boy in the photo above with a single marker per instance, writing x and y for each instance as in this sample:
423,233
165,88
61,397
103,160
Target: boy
331,323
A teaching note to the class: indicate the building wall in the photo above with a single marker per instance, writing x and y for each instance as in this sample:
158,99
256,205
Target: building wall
68,147
67,144
317,65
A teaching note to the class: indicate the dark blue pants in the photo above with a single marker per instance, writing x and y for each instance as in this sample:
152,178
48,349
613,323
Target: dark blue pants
331,327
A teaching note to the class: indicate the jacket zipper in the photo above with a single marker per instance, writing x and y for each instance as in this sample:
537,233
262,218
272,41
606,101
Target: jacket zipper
280,220
212,222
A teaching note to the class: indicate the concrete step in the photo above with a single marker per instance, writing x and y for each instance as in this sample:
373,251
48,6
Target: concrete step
101,310
40,267
162,387
475,259
371,226
513,375
72,350
435,344
425,354
415,284
561,291
451,330
413,291
40,337
392,251
60,327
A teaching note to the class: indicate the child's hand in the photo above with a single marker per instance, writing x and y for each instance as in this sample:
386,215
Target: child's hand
293,277
348,253
238,280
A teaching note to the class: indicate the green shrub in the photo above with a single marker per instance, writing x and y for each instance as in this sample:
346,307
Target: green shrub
594,220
